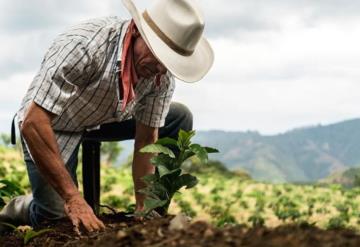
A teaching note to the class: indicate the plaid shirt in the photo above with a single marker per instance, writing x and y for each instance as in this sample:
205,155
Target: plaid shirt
79,82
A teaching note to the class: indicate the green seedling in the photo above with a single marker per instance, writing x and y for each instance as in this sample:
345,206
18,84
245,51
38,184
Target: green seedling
284,208
28,234
187,209
256,219
224,217
336,222
8,189
169,178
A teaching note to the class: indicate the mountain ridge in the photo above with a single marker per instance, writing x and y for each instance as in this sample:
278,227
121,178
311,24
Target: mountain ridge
304,154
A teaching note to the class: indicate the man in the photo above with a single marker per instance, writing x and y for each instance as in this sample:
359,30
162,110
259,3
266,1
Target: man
109,73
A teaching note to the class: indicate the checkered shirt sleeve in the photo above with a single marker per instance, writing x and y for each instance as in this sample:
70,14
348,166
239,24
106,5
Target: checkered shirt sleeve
152,109
66,66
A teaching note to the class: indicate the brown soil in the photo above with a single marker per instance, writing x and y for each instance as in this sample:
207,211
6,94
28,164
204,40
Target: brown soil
124,231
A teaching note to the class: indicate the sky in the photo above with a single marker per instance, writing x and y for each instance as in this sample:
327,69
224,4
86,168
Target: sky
279,64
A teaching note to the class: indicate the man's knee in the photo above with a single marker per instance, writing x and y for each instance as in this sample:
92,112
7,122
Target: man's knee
46,205
179,117
16,211
183,114
48,209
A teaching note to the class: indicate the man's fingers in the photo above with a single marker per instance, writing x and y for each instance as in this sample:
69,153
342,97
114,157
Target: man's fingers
85,221
99,223
88,224
83,214
75,223
76,229
92,224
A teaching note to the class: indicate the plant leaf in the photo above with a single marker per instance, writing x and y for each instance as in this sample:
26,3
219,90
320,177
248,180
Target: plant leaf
30,234
151,204
2,202
160,190
167,141
157,148
156,190
149,193
163,160
200,152
184,138
188,154
163,171
174,174
9,225
185,180
10,188
211,150
6,193
149,178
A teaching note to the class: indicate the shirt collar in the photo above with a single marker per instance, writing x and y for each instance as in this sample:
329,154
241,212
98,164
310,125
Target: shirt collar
122,35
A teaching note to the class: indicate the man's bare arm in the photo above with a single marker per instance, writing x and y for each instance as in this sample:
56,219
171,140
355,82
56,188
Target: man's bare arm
40,138
141,164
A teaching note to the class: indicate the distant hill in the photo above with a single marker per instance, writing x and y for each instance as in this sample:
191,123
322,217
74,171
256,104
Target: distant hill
301,155
347,178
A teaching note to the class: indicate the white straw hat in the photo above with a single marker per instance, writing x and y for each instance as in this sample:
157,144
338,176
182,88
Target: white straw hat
173,31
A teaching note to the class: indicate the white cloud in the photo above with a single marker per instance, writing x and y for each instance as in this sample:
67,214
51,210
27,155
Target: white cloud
269,109
273,81
279,63
12,91
231,16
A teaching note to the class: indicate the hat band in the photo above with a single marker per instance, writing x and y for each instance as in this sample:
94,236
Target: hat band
165,38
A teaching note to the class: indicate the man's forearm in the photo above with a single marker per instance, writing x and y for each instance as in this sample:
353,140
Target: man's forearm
40,138
141,164
141,167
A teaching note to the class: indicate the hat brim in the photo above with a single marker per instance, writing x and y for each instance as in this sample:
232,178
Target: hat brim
186,68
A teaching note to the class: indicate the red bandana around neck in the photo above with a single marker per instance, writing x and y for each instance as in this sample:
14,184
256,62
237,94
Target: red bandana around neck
128,74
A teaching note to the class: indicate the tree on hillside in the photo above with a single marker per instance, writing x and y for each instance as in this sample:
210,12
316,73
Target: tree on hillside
357,180
5,140
110,151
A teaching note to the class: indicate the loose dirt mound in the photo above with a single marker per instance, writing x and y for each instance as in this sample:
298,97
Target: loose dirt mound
124,231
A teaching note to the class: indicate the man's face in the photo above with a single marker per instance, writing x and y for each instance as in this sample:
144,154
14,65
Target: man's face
146,64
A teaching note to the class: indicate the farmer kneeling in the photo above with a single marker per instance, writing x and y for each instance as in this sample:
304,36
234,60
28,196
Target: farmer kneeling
115,78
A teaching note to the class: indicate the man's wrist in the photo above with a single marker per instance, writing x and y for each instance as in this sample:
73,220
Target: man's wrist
70,196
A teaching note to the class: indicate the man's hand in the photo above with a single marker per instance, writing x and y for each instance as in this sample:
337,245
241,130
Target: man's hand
141,164
39,135
80,212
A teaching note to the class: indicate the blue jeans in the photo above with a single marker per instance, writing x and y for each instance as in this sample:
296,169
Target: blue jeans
48,205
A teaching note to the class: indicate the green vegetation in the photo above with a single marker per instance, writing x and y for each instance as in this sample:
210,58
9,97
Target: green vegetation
28,233
348,178
8,190
13,182
223,197
13,178
110,151
169,177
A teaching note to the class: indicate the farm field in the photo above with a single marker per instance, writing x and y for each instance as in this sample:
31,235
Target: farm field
231,199
221,203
